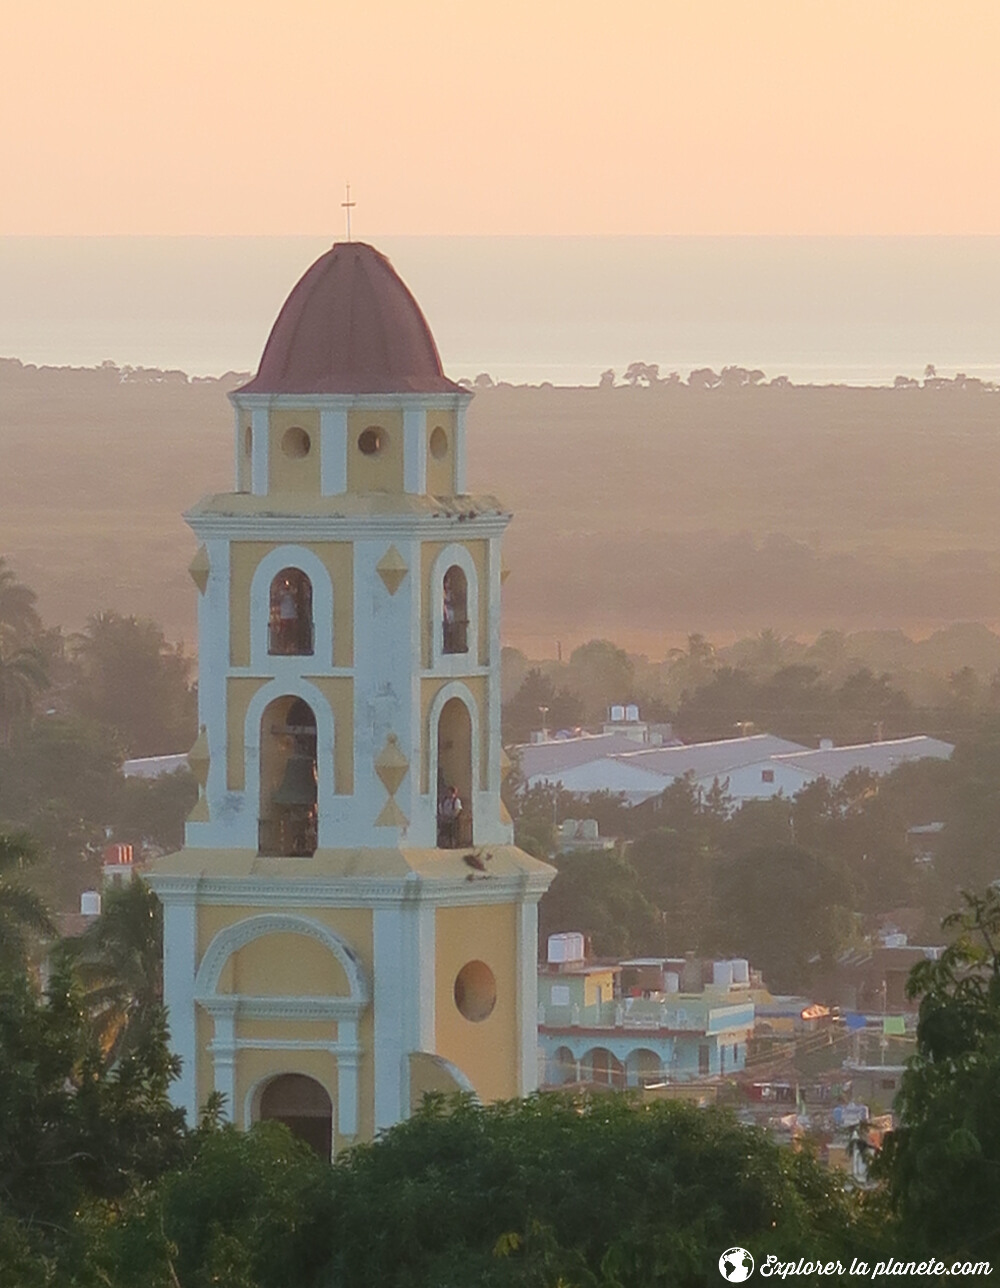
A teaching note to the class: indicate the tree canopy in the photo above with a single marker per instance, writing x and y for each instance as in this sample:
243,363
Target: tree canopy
942,1166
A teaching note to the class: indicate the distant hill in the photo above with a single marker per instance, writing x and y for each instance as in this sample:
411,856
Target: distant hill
641,514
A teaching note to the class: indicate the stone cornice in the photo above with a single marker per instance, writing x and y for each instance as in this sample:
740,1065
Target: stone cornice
348,892
354,402
263,526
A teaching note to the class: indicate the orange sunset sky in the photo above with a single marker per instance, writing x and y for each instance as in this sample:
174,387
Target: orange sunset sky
500,116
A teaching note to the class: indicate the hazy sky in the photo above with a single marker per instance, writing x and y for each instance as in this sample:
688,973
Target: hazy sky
500,116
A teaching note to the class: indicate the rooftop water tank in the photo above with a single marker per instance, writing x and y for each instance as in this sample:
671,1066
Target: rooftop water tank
90,903
567,947
722,974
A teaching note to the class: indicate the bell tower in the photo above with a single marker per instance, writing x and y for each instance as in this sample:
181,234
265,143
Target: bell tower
349,912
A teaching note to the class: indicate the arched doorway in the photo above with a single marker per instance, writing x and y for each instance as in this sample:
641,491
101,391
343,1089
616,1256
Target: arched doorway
455,608
303,1106
564,1067
290,622
288,797
642,1067
455,779
601,1067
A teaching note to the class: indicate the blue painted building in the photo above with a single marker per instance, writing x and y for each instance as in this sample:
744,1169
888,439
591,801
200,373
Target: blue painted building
589,1033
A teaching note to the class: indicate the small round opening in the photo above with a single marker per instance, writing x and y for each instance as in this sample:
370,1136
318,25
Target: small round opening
475,991
370,441
439,443
248,441
295,443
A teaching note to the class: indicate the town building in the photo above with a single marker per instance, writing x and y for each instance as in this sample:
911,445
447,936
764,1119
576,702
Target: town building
640,1022
349,924
755,767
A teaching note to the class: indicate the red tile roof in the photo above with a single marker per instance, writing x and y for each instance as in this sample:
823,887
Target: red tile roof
350,326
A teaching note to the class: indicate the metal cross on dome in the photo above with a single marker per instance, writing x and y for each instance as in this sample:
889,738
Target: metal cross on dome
348,205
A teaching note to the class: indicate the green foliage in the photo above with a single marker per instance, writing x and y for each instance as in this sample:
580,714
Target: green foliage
61,782
250,1210
942,1166
22,912
971,845
794,702
557,1190
538,694
23,673
598,892
132,680
676,863
69,1127
119,962
152,811
786,909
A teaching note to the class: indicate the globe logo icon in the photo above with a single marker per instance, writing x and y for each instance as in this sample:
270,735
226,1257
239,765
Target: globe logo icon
736,1265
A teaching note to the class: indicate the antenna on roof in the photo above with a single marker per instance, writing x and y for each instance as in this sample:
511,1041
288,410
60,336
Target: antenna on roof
348,205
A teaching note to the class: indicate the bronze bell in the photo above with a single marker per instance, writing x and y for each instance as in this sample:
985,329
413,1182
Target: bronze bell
298,787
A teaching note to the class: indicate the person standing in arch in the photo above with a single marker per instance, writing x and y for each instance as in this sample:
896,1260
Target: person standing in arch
449,816
288,619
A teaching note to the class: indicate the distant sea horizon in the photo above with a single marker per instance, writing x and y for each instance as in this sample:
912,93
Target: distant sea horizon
819,310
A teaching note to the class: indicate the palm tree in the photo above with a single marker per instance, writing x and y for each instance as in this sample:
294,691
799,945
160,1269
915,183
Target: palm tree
692,667
118,960
22,912
22,667
18,617
22,676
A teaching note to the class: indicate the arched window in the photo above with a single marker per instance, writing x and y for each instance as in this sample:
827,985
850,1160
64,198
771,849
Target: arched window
288,797
290,625
454,775
303,1106
456,611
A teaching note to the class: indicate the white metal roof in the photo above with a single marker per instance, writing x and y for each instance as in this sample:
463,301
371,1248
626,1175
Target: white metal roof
878,757
543,759
606,775
704,758
154,766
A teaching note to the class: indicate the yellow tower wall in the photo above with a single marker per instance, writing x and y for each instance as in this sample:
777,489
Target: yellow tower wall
487,1051
479,554
288,965
298,475
441,469
338,559
382,472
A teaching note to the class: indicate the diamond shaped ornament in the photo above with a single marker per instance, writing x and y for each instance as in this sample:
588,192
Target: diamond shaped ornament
199,568
391,816
198,758
392,569
391,765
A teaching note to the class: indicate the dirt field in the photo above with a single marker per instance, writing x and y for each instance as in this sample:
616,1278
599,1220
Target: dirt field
641,514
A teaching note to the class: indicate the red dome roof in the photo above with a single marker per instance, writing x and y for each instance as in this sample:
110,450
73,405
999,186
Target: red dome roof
350,326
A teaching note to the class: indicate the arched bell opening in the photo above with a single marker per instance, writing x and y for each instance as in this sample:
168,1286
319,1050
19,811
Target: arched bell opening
455,610
455,777
288,796
303,1105
290,624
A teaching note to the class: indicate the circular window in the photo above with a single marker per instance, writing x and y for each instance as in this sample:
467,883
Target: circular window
475,991
370,441
439,443
248,440
295,443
